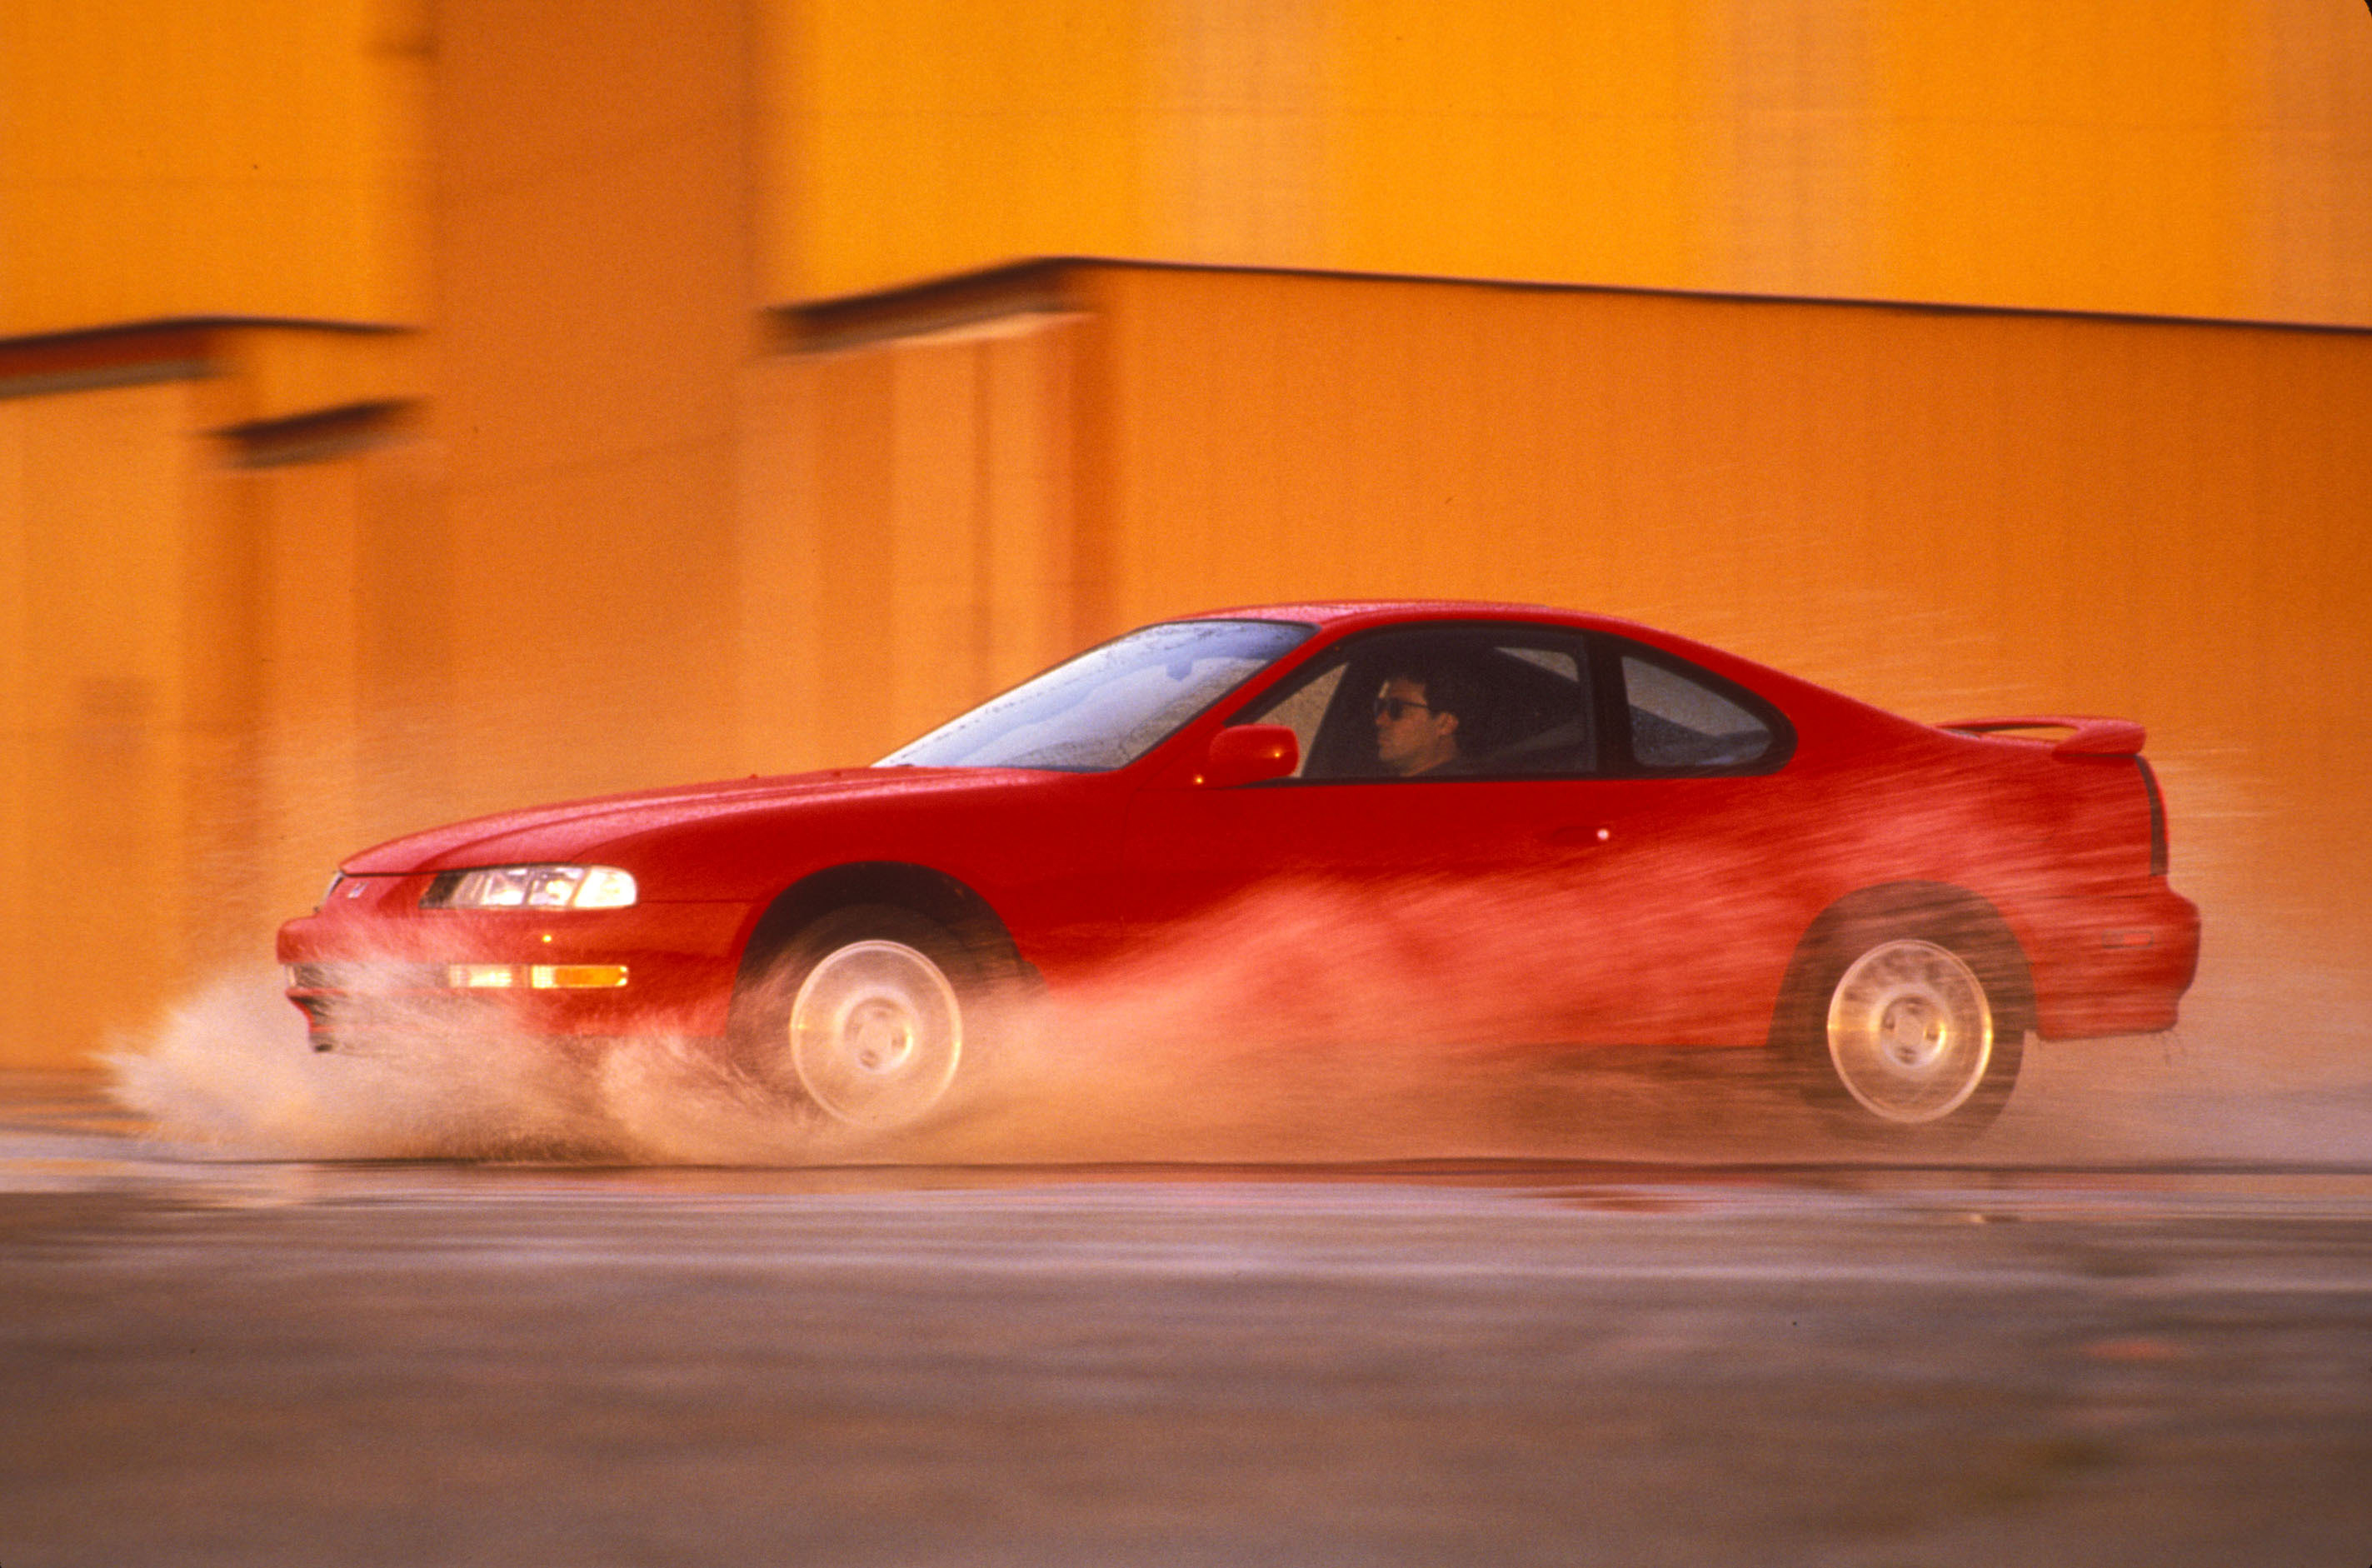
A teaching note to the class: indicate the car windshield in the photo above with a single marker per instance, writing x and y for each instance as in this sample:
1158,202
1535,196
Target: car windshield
1110,706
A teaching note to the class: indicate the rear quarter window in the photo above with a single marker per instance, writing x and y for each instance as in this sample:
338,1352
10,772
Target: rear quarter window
1683,720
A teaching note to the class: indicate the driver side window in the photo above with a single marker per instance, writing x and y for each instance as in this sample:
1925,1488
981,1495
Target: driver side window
1517,698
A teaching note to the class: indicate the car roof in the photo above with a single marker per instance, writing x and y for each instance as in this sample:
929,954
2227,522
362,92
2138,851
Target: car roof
1330,613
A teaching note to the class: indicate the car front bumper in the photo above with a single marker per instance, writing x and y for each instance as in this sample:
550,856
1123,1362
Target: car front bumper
371,961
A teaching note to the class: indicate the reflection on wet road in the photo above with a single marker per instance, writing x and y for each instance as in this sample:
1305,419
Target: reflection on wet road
1455,1361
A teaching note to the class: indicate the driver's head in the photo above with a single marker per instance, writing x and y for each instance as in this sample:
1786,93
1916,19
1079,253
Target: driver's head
1418,713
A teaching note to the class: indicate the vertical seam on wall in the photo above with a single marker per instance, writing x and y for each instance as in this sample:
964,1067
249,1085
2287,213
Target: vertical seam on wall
1092,420
983,519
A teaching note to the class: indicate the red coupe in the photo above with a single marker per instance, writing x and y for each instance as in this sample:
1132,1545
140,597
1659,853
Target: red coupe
1649,842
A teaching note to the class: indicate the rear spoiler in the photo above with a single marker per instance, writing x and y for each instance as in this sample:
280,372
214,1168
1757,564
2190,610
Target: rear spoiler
2095,737
2089,738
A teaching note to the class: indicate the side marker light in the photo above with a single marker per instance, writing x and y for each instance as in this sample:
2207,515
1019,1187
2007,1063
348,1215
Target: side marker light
576,977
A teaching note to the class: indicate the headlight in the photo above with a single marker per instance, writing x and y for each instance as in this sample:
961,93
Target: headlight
532,888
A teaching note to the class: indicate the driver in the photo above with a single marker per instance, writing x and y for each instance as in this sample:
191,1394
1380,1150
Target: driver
1418,715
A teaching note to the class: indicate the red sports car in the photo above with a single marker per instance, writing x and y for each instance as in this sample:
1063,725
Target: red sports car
1649,842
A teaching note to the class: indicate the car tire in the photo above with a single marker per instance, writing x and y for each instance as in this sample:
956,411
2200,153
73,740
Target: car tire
1911,1027
867,1013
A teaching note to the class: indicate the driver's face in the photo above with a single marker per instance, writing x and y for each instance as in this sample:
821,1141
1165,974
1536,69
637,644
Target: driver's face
1410,736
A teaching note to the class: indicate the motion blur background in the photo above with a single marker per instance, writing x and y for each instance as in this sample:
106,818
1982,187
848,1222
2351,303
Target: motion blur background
413,408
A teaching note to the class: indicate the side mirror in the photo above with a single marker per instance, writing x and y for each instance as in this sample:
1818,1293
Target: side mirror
1248,753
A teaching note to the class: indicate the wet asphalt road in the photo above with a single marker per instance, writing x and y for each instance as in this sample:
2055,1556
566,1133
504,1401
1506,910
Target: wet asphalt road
206,1361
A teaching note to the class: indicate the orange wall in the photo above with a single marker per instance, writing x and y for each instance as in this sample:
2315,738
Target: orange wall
909,538
915,137
2208,158
205,694
275,157
350,701
2101,158
532,593
100,706
592,231
208,157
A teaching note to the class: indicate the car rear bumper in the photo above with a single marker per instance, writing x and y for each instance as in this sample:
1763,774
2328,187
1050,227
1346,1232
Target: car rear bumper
2112,964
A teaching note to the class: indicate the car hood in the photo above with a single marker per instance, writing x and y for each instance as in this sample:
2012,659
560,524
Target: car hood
581,829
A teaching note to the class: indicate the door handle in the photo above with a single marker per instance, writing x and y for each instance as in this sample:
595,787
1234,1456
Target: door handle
1580,835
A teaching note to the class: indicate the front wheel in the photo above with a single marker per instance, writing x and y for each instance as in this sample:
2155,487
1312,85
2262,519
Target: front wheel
865,1013
1918,1029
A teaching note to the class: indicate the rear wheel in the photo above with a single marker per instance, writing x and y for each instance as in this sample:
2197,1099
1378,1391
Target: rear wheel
1912,1025
867,1013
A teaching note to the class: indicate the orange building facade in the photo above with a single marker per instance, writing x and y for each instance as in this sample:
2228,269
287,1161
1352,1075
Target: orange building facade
499,408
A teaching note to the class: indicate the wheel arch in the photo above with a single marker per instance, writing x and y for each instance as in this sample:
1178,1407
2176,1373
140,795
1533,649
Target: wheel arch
928,892
1895,906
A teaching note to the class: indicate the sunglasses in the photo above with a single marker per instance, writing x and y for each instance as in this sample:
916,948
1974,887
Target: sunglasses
1392,708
